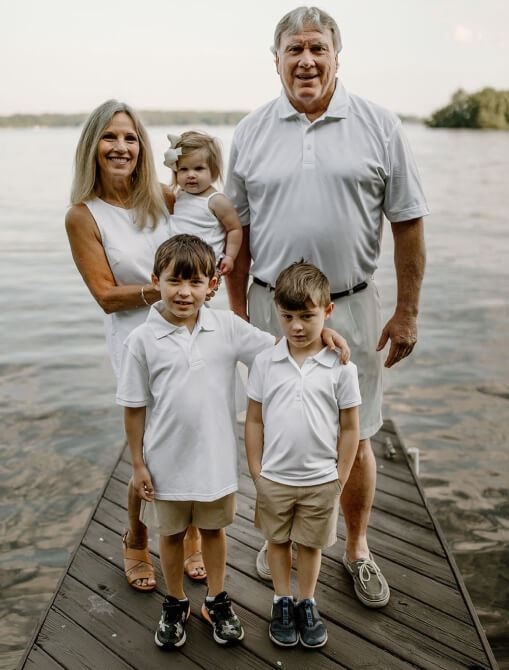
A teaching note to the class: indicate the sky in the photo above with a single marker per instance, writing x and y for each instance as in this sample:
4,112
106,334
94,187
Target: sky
407,55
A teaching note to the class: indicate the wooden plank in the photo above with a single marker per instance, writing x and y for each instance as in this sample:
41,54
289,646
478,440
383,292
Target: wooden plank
73,647
97,621
39,660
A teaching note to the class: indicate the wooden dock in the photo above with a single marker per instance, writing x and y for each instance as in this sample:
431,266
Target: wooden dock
96,621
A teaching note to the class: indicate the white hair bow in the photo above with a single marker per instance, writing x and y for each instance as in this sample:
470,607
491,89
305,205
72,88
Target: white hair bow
171,155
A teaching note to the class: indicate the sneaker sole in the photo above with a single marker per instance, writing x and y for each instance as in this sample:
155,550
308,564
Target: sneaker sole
313,646
217,639
283,644
262,567
167,645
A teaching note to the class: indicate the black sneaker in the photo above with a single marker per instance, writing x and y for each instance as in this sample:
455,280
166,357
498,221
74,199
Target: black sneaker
225,623
171,630
282,628
312,631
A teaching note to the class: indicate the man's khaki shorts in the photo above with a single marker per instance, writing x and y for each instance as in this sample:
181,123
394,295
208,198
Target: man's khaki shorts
169,517
358,318
307,515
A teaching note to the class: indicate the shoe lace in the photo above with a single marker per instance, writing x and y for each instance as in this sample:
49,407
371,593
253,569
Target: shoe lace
285,611
367,569
308,612
224,616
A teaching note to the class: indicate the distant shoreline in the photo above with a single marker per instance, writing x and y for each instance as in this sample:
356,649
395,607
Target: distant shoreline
150,118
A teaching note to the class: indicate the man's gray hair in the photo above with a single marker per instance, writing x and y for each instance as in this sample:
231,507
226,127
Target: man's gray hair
295,21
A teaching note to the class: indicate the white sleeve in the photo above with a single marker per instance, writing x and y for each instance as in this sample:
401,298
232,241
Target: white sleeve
255,381
249,340
404,197
347,388
133,382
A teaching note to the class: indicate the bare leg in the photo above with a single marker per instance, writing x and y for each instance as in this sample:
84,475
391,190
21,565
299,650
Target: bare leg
279,557
193,560
214,557
357,499
171,549
309,560
137,535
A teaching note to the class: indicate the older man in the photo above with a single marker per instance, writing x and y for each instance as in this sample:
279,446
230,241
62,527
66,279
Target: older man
312,175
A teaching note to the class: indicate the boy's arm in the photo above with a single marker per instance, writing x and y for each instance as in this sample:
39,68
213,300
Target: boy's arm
254,438
225,213
333,340
134,422
348,442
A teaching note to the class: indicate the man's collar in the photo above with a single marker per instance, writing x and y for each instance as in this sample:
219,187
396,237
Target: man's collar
337,109
161,327
325,356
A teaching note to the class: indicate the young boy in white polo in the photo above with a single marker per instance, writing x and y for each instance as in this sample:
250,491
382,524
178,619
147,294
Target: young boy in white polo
177,385
302,432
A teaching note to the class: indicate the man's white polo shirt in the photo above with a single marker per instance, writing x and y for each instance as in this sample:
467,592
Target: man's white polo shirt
187,382
318,190
300,408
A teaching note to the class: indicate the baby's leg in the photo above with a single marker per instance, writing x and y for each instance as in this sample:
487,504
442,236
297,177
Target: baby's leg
308,568
171,549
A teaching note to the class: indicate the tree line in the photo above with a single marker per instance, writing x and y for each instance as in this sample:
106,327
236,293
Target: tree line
487,108
150,118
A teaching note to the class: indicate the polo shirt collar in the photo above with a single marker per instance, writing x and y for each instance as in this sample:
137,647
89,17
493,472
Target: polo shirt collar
161,327
325,356
337,109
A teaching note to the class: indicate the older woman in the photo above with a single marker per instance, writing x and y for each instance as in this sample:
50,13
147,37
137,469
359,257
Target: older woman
118,217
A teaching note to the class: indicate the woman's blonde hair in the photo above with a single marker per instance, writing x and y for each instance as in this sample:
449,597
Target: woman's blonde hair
147,196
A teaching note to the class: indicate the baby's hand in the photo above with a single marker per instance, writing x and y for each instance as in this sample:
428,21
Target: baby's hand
226,265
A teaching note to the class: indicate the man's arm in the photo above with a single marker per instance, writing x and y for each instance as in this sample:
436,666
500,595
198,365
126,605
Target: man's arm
237,280
409,262
254,438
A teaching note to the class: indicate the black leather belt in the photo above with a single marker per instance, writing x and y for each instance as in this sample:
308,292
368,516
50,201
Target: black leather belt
333,296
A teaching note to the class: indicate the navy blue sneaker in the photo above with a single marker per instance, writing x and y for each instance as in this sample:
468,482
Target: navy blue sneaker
282,628
171,631
312,631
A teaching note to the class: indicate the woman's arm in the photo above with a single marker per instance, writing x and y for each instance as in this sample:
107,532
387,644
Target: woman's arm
90,259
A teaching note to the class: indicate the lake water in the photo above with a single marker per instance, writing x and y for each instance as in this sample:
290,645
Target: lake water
61,430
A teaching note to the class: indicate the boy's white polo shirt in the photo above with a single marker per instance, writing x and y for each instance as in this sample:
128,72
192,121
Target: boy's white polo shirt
300,409
187,382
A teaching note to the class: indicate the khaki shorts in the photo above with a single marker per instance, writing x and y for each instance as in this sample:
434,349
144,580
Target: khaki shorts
169,517
358,318
307,515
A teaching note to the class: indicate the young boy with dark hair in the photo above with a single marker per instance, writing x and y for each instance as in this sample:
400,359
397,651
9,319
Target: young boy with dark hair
177,385
302,432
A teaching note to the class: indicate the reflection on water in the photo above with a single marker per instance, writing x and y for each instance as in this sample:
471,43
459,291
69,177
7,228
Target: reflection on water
61,431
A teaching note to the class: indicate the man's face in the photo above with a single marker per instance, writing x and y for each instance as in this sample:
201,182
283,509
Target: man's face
307,64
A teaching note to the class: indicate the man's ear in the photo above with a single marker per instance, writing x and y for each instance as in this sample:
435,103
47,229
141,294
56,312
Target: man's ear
276,61
337,62
155,281
329,309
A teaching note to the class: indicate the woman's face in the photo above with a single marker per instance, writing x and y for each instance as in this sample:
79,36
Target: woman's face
119,148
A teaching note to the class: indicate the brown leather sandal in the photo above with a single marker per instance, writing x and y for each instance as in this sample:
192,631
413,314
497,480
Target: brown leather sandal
137,566
194,568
